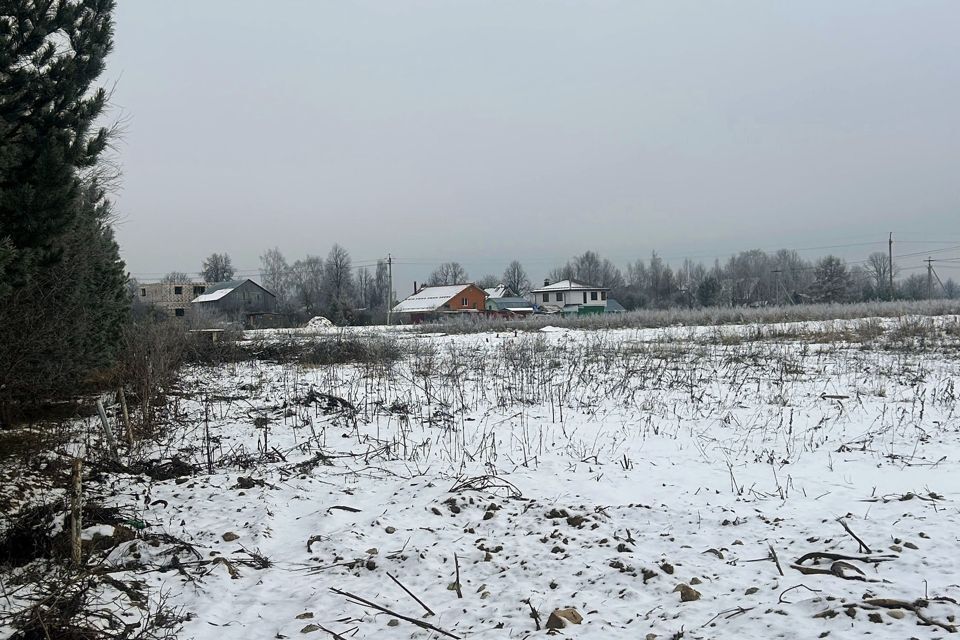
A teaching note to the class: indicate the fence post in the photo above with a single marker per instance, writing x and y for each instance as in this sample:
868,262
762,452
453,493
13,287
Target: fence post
107,432
76,512
122,396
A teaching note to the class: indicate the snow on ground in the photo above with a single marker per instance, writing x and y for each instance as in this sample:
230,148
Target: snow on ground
658,481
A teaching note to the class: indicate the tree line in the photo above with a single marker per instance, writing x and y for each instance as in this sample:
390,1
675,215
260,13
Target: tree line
331,287
752,277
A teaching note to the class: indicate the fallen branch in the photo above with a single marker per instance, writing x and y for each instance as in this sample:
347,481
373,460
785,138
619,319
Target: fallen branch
374,605
729,613
826,555
343,508
775,558
915,607
456,583
780,600
486,483
335,635
863,545
411,594
836,569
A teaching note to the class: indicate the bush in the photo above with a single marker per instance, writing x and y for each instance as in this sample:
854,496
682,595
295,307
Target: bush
340,349
152,351
707,316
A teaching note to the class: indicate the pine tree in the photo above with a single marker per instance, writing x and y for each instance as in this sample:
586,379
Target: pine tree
63,301
47,112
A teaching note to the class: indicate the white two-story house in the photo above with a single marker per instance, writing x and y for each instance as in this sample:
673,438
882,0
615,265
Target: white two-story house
570,296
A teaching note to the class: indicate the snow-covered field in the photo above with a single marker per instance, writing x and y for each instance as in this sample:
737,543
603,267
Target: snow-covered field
663,482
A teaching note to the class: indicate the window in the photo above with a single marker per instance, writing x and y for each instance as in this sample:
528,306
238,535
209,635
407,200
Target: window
546,297
143,293
198,290
463,302
603,295
178,291
559,297
178,313
593,295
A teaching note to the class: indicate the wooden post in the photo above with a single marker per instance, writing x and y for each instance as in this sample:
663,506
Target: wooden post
206,435
122,397
76,512
107,432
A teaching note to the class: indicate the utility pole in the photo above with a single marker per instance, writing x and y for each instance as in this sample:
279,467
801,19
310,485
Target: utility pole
390,290
778,272
929,277
891,265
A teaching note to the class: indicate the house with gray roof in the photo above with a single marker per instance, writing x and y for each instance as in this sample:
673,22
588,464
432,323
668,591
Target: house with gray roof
239,300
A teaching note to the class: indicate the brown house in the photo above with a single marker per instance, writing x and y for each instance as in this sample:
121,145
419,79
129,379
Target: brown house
433,303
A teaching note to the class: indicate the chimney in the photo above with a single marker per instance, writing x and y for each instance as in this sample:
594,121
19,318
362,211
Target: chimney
546,282
414,286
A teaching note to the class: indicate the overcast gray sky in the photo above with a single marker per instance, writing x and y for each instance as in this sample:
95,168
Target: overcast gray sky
485,131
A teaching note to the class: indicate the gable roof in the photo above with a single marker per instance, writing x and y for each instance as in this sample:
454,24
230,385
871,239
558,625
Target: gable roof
568,285
500,291
430,298
614,307
217,290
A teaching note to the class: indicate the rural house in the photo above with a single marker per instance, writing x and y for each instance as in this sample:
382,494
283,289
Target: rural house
171,298
509,306
500,291
432,303
503,301
570,296
242,300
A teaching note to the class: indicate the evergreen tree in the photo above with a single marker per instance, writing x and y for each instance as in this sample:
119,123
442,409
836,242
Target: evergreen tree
62,298
47,113
833,282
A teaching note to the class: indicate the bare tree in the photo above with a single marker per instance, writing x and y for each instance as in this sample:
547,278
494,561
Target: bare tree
306,283
175,277
913,287
587,267
566,272
338,283
217,268
610,275
950,289
381,286
448,273
488,281
516,278
275,275
878,268
365,285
